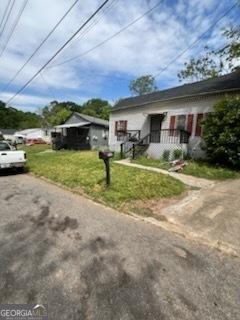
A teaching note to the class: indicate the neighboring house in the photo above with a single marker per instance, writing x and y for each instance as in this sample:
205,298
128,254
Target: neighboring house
8,134
168,119
34,134
82,132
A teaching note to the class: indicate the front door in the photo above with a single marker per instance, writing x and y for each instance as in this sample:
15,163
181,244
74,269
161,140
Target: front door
155,127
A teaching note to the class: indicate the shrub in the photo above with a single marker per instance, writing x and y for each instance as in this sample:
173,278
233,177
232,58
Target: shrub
177,154
221,133
166,155
186,156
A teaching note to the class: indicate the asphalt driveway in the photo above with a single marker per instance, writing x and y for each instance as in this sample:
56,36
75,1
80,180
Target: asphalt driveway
89,262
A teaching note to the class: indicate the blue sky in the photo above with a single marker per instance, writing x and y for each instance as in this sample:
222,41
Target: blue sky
144,48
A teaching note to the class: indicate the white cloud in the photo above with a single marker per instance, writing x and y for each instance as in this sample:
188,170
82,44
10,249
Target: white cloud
146,47
26,101
30,102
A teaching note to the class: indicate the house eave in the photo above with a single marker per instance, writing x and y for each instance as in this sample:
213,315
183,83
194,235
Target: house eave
178,98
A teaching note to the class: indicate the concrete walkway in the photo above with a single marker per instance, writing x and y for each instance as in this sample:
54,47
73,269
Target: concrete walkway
186,179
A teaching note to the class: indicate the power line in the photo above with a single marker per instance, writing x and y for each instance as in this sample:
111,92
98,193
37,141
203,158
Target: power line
94,23
59,50
40,45
8,15
109,38
14,26
5,12
196,40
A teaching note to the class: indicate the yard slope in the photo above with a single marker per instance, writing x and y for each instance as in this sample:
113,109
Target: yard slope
83,172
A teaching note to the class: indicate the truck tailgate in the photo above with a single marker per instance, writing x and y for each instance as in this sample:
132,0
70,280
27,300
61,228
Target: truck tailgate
11,156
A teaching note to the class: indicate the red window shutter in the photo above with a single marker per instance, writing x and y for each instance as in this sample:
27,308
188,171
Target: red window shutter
116,127
198,131
121,125
189,123
125,125
172,125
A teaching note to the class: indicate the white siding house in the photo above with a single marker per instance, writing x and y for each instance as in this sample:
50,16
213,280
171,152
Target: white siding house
168,119
35,133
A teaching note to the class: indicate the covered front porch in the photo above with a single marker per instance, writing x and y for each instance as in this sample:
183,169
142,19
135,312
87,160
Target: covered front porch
72,136
155,141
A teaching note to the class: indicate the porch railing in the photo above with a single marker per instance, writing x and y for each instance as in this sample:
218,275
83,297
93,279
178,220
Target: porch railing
133,146
128,135
169,136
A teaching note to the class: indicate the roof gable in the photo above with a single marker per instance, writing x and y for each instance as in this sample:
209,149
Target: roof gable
76,117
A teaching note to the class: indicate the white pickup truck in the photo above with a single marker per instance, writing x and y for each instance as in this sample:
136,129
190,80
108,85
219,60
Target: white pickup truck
11,158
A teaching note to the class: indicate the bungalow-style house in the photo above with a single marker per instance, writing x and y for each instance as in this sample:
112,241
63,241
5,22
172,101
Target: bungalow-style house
81,132
168,119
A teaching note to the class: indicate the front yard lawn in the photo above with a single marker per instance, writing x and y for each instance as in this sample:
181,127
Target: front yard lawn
83,172
198,169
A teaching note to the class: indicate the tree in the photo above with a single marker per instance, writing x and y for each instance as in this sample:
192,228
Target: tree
221,133
97,108
216,62
143,85
204,67
17,119
55,113
232,49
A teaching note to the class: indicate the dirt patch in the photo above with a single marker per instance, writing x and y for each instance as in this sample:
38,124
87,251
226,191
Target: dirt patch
153,207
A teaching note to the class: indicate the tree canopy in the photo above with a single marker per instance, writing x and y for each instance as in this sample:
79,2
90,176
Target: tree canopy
97,108
214,63
51,115
57,112
17,119
142,85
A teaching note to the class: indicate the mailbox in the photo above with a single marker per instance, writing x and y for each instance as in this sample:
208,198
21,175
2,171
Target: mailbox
105,156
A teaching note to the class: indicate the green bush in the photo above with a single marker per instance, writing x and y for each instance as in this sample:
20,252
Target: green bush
166,155
177,154
221,133
186,156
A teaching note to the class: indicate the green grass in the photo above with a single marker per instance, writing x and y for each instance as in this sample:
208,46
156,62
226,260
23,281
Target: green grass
198,169
84,172
207,171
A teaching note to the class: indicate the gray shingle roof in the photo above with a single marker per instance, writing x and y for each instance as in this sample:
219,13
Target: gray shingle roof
95,120
8,131
229,82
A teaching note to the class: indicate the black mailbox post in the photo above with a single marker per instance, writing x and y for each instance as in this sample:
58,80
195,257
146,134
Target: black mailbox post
105,156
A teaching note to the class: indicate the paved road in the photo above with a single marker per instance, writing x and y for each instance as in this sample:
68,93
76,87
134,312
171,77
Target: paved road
97,264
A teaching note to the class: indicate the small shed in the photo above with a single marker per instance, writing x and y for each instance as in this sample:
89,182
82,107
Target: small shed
81,132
